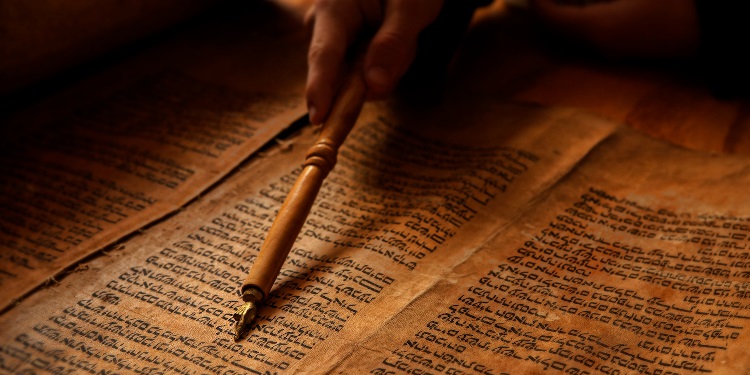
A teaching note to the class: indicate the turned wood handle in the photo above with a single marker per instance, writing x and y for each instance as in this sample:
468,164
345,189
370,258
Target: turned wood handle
320,159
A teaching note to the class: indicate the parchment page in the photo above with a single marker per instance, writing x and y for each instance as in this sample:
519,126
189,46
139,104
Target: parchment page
636,262
136,142
406,202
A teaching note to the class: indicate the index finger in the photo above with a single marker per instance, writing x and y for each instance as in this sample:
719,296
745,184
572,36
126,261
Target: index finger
335,26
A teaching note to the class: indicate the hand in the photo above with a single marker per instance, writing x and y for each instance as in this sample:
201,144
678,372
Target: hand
336,25
627,28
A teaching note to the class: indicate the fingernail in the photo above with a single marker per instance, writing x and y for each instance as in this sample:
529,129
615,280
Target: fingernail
378,77
311,114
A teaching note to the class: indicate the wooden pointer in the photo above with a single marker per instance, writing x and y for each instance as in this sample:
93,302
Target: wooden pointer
320,159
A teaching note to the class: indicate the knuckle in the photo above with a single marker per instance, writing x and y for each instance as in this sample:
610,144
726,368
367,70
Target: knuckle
314,52
321,52
393,41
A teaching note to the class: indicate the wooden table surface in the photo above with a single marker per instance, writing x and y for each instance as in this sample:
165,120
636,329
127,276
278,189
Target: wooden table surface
506,55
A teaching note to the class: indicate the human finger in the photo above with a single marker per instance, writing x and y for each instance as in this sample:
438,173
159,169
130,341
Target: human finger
393,47
336,23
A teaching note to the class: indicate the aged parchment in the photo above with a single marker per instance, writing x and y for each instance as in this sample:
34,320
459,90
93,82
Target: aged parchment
135,143
483,238
407,202
635,262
